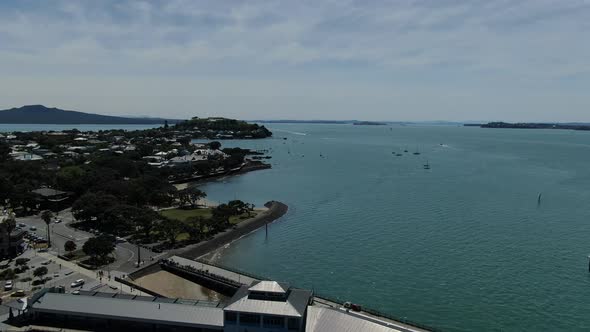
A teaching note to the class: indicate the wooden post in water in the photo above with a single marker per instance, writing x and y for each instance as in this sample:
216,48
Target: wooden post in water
588,263
266,229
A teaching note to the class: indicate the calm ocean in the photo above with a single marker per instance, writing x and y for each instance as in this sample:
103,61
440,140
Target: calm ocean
464,246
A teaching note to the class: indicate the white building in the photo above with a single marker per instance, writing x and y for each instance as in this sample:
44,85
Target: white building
267,306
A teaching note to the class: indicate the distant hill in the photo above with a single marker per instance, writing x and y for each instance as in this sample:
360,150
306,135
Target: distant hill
39,114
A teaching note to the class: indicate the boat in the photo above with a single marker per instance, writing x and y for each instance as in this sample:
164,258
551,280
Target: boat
399,154
427,165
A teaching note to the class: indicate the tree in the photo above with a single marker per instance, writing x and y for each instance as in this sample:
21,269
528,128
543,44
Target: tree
170,228
195,227
214,145
10,223
239,207
191,195
70,246
4,151
98,248
47,216
146,221
21,261
40,272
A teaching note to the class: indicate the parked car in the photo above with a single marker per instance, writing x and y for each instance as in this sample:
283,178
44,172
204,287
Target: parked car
57,221
19,292
77,283
352,306
120,240
33,228
22,225
8,285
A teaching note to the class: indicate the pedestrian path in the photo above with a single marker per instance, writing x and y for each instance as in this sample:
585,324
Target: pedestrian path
93,275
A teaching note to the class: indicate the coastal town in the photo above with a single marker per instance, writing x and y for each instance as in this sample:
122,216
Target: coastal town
113,219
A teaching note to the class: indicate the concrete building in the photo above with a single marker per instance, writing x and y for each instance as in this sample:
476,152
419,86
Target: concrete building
264,306
267,306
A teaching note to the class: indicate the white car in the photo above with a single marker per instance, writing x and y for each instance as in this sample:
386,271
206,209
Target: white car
77,283
57,221
8,285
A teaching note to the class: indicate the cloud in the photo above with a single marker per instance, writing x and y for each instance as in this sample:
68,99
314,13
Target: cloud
412,43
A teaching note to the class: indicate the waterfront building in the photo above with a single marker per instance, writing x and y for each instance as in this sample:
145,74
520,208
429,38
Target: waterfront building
267,306
264,306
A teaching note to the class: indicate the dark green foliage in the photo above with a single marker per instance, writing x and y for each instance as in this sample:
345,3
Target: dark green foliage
98,248
40,272
70,246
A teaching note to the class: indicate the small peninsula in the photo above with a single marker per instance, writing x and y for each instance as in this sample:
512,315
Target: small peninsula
530,125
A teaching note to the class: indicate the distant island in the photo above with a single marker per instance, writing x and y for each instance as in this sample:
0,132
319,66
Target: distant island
569,126
39,114
369,123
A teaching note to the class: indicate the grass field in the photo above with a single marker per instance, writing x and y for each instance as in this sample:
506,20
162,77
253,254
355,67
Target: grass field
183,215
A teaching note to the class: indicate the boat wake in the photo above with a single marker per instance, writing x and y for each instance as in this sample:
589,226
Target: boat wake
290,132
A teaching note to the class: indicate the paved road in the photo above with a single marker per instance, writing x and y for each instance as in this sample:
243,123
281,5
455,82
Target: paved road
125,253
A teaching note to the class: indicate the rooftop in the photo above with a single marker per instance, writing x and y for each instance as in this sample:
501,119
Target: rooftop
322,319
294,305
270,287
148,310
48,192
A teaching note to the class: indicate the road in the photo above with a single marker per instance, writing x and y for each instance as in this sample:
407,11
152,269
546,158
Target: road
125,253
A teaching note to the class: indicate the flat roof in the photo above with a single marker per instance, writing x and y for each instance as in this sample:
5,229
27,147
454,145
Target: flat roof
321,319
130,310
48,192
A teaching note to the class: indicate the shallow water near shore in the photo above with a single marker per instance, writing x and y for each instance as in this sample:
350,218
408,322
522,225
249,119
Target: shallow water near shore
464,246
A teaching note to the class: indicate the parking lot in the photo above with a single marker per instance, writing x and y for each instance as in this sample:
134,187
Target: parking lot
60,232
57,275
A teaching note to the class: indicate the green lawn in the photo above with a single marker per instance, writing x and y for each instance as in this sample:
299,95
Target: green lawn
183,215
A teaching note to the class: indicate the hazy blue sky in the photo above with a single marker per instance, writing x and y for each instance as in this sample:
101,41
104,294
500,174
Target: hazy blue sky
376,60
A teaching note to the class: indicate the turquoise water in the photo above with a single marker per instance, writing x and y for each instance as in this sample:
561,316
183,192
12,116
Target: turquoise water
463,246
82,127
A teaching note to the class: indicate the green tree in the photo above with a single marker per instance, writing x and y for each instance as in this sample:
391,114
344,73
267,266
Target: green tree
10,223
40,272
191,195
239,207
98,248
195,227
70,246
170,229
47,216
21,261
4,151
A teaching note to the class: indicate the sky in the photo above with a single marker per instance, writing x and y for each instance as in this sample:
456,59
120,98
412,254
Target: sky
402,60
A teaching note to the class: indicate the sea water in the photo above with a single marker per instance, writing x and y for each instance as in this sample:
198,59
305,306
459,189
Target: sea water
463,246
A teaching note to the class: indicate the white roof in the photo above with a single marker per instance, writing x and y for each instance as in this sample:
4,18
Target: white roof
321,319
269,287
293,306
154,312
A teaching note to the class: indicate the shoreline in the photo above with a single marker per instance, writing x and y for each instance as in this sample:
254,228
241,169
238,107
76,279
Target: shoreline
250,166
275,210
